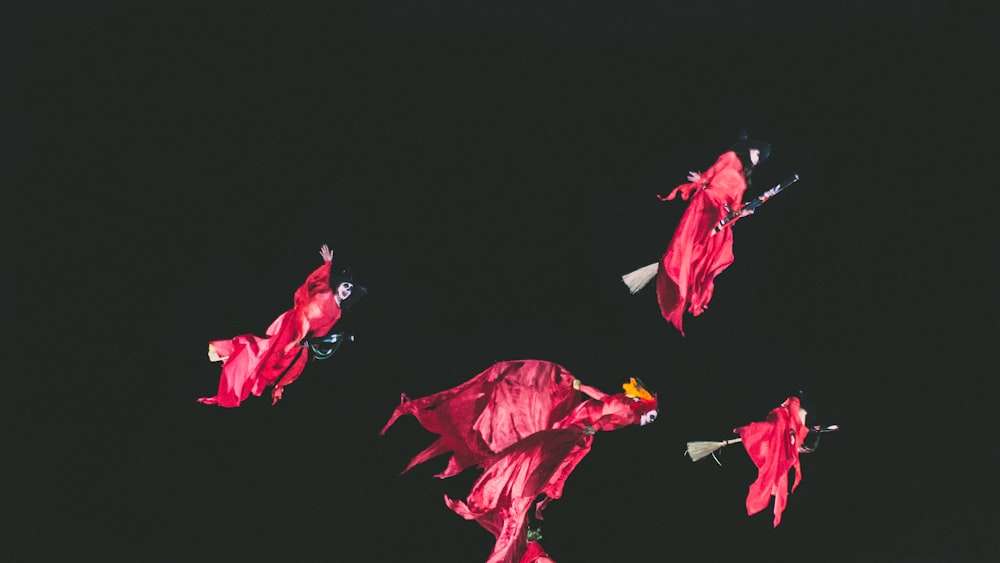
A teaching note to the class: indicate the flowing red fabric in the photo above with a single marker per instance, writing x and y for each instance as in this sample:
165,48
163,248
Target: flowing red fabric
773,445
251,363
687,271
483,416
526,426
535,554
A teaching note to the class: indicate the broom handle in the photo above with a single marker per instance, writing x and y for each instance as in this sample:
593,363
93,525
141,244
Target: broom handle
749,207
733,441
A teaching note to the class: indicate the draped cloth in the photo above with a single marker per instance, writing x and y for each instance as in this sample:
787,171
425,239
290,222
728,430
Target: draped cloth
773,445
251,363
526,426
686,272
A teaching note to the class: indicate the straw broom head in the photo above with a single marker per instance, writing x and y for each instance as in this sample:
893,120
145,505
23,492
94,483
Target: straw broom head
701,450
638,279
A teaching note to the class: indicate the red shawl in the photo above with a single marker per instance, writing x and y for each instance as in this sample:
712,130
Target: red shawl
526,426
251,363
686,274
773,445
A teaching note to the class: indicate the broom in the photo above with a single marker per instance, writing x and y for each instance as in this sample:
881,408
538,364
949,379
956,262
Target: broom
701,450
638,279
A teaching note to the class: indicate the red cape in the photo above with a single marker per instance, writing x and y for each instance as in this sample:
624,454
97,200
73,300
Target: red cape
483,416
686,274
251,363
773,445
526,426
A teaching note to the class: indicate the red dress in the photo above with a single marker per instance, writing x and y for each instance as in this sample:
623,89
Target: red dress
527,427
773,445
251,363
686,274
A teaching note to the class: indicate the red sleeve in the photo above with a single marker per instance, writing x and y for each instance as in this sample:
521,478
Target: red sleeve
592,392
720,177
317,282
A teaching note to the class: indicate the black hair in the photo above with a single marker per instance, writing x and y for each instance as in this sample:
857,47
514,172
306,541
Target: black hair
357,292
742,149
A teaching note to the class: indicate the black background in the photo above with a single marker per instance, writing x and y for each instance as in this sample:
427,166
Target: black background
489,170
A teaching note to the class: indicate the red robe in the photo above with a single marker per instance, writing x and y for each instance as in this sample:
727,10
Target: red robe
251,363
773,445
526,426
686,274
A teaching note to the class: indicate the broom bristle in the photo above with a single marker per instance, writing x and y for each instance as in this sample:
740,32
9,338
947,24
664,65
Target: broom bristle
701,450
638,279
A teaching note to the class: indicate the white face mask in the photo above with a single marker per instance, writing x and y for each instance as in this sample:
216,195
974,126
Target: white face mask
754,156
647,418
344,290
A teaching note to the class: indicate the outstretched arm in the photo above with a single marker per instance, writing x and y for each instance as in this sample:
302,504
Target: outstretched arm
589,391
701,180
317,282
695,181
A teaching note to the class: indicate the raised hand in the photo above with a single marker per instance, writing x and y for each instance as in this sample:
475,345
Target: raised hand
326,253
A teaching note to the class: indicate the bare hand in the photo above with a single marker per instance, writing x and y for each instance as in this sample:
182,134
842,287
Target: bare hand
276,395
326,253
694,176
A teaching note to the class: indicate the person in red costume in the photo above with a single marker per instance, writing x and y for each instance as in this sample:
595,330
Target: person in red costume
251,363
526,425
774,446
685,275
